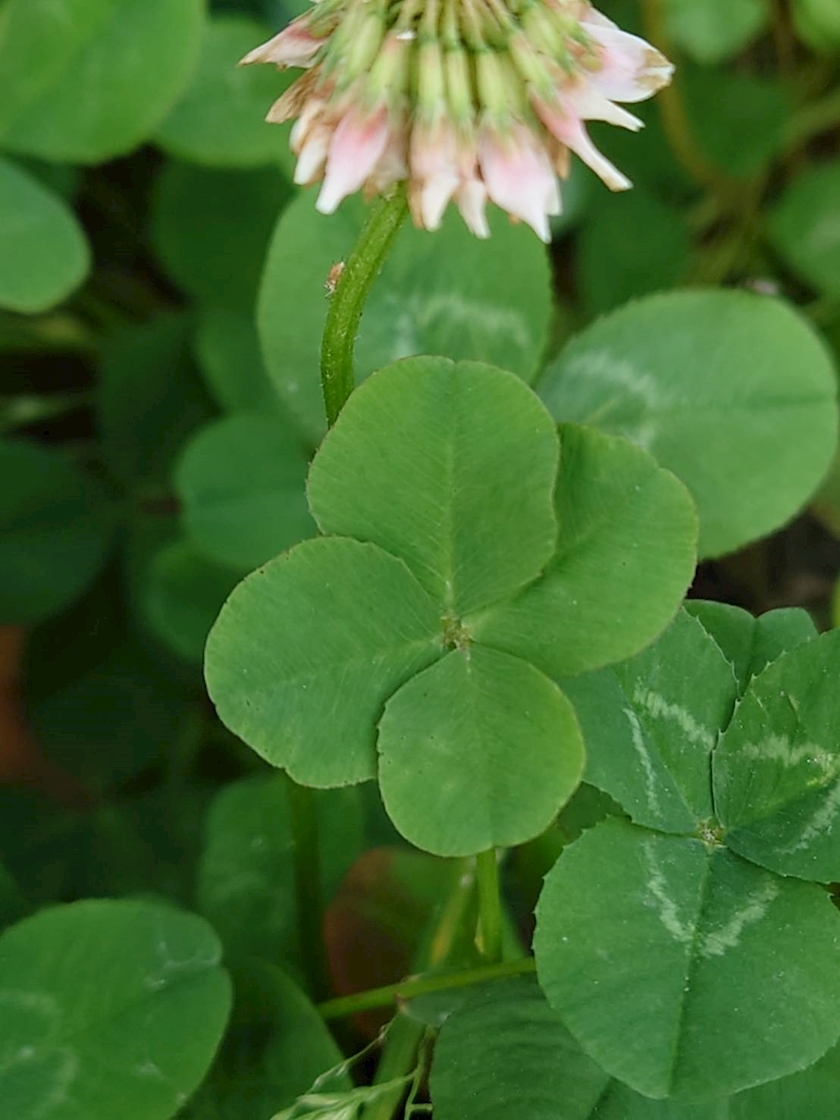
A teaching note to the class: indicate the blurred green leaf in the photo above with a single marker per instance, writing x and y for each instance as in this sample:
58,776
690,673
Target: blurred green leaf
227,350
219,120
57,523
211,229
148,399
111,71
44,254
246,876
184,592
714,30
109,1008
629,246
805,226
241,485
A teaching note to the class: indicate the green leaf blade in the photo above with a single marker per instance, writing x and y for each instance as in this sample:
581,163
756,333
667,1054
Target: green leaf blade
219,119
624,559
684,970
751,644
716,385
504,1052
650,725
317,640
109,1007
453,773
474,455
777,769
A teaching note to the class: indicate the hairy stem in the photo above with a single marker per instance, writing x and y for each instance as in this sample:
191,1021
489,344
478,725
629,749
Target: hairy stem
348,301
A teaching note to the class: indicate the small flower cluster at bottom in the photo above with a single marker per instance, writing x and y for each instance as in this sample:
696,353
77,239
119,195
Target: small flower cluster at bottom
467,100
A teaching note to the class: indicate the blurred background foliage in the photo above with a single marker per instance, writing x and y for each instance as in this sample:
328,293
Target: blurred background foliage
161,296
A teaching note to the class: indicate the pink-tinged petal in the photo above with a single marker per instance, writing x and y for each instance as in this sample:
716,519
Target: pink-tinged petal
471,198
433,155
312,157
569,130
392,165
357,145
519,177
291,103
589,104
295,46
313,110
592,15
631,69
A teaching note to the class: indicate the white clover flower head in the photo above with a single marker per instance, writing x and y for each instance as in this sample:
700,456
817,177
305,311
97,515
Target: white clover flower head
466,100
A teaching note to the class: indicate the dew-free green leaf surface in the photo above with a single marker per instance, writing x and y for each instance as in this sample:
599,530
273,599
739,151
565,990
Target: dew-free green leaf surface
479,751
96,94
56,524
44,254
650,726
777,769
307,650
109,1008
220,118
683,970
450,467
814,1092
625,556
750,644
504,1052
448,294
717,386
241,484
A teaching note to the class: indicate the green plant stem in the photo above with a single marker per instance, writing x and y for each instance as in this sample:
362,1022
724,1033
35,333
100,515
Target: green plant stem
489,907
398,1060
405,1036
345,312
423,986
307,864
348,301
